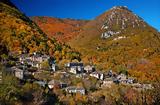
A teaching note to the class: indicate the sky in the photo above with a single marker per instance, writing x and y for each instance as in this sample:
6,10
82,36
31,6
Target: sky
149,10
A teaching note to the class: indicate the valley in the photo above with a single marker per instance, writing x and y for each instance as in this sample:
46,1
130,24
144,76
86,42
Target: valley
113,59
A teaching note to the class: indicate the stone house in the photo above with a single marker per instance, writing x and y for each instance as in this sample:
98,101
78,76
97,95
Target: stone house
56,84
73,89
122,78
68,65
75,68
19,73
39,57
97,75
89,69
130,80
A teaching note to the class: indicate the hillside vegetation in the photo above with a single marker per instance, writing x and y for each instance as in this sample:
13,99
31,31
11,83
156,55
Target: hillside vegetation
19,34
62,29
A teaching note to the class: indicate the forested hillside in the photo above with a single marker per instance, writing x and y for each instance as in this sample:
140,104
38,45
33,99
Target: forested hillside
19,34
62,29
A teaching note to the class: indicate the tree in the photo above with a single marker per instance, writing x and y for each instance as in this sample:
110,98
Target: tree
45,65
9,89
123,70
4,57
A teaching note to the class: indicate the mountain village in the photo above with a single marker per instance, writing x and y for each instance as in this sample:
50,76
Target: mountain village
29,65
112,59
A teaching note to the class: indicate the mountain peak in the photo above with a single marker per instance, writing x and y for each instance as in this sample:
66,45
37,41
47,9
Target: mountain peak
118,19
120,7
